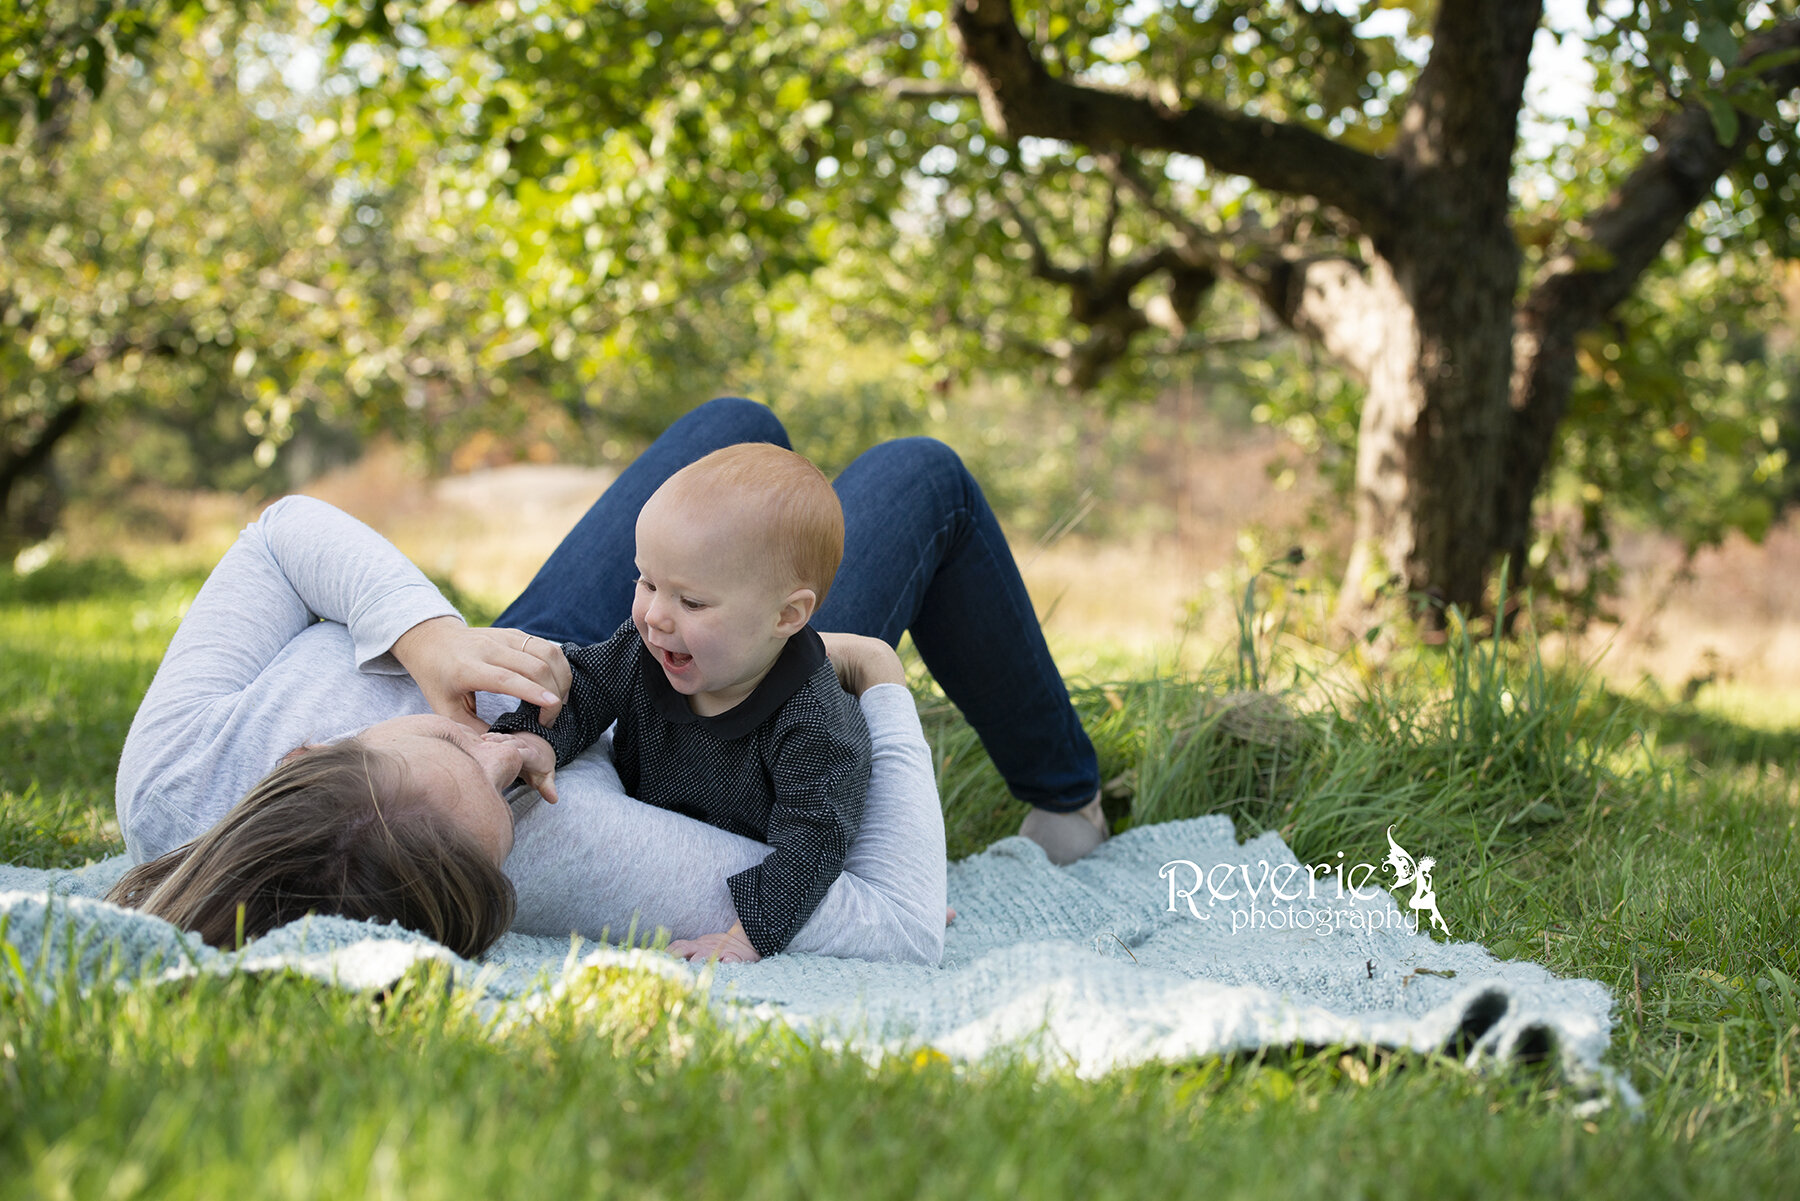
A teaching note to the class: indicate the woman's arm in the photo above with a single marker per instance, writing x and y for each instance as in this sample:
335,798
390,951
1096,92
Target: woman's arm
894,886
201,730
247,676
301,561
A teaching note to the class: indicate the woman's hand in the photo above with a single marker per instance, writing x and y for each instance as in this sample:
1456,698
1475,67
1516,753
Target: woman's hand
862,662
451,663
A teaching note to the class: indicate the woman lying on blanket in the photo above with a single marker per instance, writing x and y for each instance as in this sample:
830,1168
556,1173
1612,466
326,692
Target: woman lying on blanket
313,740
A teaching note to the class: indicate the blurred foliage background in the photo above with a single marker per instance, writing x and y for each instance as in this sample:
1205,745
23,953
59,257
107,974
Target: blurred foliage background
238,240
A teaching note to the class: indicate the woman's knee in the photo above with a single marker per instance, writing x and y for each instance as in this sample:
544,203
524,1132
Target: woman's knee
729,420
921,460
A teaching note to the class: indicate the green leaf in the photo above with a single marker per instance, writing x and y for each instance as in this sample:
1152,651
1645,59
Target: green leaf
793,93
1764,63
1716,40
94,70
1724,117
1728,437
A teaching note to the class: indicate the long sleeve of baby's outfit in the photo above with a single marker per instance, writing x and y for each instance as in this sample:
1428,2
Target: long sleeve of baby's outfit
600,685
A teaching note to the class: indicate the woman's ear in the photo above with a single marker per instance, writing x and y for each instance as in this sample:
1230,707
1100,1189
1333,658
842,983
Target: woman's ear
796,611
299,751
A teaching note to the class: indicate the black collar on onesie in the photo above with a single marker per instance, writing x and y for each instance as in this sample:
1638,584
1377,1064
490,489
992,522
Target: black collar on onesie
803,655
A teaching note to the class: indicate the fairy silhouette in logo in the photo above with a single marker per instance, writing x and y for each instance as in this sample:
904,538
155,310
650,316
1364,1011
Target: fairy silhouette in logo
1406,871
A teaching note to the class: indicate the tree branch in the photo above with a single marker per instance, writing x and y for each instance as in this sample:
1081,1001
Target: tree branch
1100,297
1194,239
921,89
16,466
1323,297
1100,292
1579,287
1020,98
1041,264
1610,250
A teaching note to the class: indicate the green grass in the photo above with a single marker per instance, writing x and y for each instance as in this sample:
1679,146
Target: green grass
1650,846
80,643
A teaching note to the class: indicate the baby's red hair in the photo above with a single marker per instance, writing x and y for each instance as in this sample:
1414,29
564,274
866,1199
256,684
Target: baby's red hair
781,493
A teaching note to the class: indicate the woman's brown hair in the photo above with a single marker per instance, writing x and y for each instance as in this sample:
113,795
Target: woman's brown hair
329,831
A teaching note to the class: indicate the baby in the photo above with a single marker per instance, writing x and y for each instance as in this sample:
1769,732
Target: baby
727,709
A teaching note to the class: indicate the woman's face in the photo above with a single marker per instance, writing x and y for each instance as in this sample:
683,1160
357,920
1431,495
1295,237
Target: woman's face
455,770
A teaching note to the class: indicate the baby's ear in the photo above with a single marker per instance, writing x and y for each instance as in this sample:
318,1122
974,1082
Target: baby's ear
796,611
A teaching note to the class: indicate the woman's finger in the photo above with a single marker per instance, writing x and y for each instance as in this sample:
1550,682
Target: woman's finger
509,682
549,700
551,656
551,674
539,658
550,668
457,705
533,668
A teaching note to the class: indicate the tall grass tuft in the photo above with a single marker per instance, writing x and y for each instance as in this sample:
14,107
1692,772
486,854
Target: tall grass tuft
1478,745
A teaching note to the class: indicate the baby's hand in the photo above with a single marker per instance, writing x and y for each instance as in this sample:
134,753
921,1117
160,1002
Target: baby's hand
730,947
537,761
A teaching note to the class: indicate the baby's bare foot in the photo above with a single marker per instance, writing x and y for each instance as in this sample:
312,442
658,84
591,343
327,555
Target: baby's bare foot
949,915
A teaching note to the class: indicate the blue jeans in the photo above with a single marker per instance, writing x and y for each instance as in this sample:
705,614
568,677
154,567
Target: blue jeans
922,552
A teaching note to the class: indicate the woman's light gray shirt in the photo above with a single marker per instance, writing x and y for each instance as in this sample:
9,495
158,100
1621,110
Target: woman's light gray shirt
289,642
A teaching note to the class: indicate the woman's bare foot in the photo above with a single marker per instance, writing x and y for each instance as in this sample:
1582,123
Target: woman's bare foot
1066,837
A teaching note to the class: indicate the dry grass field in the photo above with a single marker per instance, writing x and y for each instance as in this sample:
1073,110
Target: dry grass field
1729,621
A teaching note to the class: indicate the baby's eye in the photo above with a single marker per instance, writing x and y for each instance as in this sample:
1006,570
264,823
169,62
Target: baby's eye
691,605
646,585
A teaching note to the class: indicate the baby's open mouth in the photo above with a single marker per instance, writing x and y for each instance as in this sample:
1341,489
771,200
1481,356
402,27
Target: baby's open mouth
676,660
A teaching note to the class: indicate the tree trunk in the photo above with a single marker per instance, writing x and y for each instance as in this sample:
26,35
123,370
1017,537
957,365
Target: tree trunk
1453,441
1429,451
1431,448
15,466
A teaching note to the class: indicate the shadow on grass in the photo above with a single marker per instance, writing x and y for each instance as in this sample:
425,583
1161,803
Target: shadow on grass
66,580
1709,738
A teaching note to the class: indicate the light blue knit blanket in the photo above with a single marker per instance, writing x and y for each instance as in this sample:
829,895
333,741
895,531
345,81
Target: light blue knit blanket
1171,941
